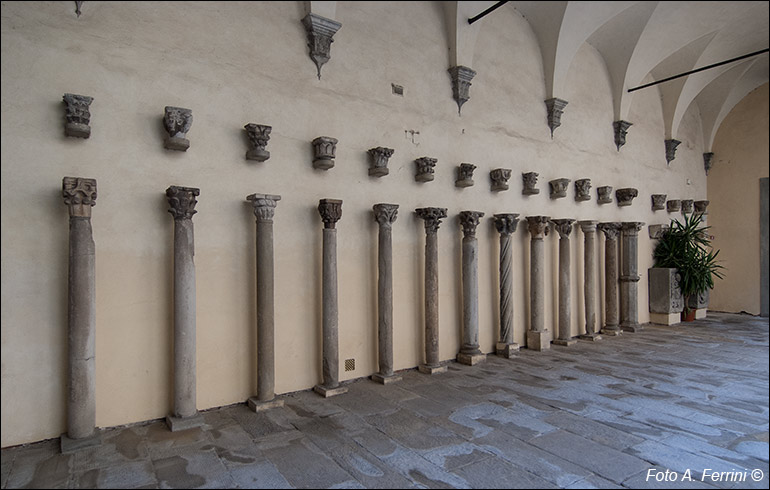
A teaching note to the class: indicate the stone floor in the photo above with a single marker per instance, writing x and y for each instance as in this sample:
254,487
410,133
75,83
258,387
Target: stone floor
668,402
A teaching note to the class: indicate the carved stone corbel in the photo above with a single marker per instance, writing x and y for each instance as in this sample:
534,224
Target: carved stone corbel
320,32
500,178
461,84
78,115
258,138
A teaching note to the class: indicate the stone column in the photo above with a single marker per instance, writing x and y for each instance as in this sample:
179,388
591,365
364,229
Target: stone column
432,217
589,268
80,195
470,353
629,277
538,337
264,210
331,212
385,215
610,230
185,415
564,227
506,225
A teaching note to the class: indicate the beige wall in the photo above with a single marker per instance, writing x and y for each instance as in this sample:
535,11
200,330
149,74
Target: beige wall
740,160
235,63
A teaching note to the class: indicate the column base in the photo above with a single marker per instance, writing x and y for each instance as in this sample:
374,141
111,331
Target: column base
437,369
69,445
507,351
328,392
471,359
175,424
591,337
386,379
632,327
564,342
539,341
665,318
611,330
258,405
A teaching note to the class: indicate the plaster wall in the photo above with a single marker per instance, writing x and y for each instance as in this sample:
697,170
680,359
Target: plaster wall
741,156
234,63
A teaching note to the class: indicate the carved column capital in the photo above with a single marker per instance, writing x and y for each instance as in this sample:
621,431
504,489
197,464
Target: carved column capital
673,205
671,149
700,207
469,220
506,223
77,115
555,108
530,183
687,206
624,197
621,129
465,175
324,152
385,214
658,202
538,226
432,217
588,226
500,178
583,190
611,229
425,170
177,122
380,156
461,84
320,32
330,211
259,135
631,228
559,188
264,205
604,194
80,195
182,201
563,226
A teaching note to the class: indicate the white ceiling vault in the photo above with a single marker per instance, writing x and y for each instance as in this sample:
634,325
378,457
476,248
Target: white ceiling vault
640,42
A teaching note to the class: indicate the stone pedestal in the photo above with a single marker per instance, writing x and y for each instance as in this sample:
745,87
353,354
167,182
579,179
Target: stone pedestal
331,212
264,210
185,415
538,337
564,228
432,218
506,225
385,215
470,353
665,296
589,268
611,231
80,195
629,276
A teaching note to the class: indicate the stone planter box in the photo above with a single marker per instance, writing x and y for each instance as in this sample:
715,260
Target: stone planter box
666,302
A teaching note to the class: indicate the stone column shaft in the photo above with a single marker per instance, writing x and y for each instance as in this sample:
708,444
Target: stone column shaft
385,215
80,195
589,264
611,231
432,217
264,210
331,212
506,224
564,227
470,353
185,414
538,337
629,277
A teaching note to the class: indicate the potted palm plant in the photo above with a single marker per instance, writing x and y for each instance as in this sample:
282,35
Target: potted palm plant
686,247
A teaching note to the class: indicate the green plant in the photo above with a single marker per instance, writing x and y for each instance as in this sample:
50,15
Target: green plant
687,247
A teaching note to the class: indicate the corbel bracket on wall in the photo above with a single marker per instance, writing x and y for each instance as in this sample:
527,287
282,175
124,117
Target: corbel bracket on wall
320,31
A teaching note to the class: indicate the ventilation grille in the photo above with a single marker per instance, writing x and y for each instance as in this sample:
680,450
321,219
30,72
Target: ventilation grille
350,364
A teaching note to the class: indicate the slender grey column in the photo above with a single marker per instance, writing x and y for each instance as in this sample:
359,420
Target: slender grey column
564,227
331,212
385,215
589,268
264,210
185,415
629,277
80,195
611,230
470,353
506,225
538,337
432,218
